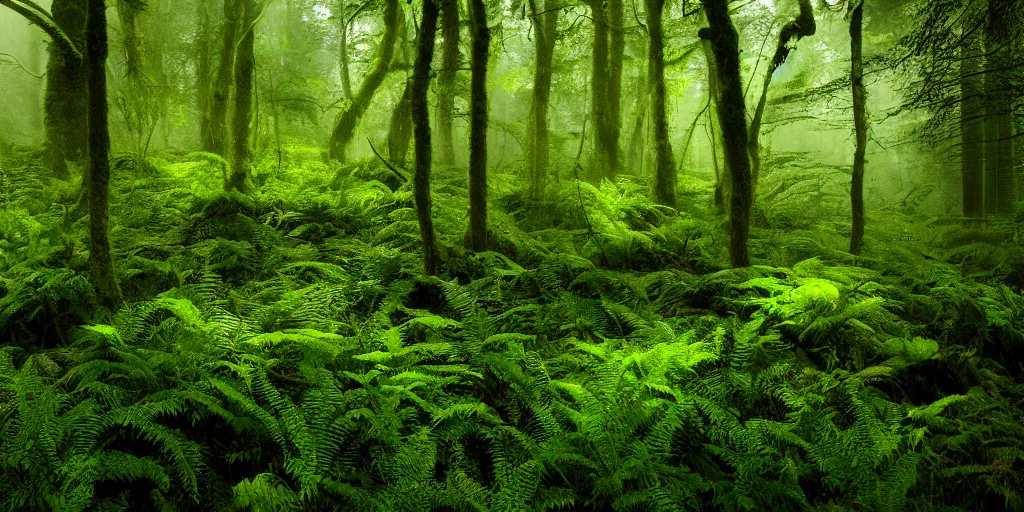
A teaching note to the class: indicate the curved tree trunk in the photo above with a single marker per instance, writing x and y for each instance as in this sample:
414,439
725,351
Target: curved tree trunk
478,127
545,24
64,102
421,129
664,162
450,61
732,118
101,262
860,123
801,26
345,128
216,140
245,61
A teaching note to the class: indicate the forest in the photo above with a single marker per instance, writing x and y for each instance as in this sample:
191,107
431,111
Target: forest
511,255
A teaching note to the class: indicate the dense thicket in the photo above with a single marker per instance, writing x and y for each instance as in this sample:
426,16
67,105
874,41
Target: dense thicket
599,281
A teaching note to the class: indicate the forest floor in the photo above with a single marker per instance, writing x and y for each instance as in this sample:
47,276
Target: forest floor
284,351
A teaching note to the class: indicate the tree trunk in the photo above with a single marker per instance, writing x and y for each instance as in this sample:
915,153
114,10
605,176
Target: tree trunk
345,128
131,45
346,77
400,128
64,102
732,118
664,162
101,262
241,151
225,76
1001,183
860,123
801,26
722,176
972,129
617,51
203,75
478,127
599,110
421,130
450,61
545,24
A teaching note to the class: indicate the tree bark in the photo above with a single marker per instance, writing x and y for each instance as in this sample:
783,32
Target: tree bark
218,136
64,102
860,123
545,24
245,61
101,262
722,176
478,127
131,44
732,118
617,51
346,77
664,163
450,61
203,74
801,26
345,128
421,130
599,78
972,129
400,128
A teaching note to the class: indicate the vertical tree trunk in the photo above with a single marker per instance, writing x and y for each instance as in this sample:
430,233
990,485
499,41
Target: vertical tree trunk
599,110
972,129
131,45
722,176
346,77
241,151
203,75
545,24
801,26
732,118
64,102
860,123
478,127
400,128
617,51
421,129
1000,180
664,163
450,61
101,262
225,76
345,128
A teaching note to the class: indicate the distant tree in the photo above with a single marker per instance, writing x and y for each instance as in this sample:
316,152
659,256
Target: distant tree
345,128
545,24
664,184
450,62
421,133
101,262
732,118
478,126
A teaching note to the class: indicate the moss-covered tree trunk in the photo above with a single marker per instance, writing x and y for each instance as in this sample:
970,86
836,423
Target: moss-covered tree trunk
101,261
345,128
860,123
732,119
64,102
972,128
801,26
722,177
216,142
346,76
599,111
131,44
617,51
545,24
400,127
478,126
664,182
245,61
450,61
421,131
204,68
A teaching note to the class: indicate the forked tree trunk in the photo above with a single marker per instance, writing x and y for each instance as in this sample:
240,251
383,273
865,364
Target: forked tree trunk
664,182
241,151
345,128
545,24
478,127
450,61
101,261
860,123
421,131
732,118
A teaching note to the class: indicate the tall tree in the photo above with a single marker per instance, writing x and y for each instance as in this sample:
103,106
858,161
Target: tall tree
617,52
450,61
345,128
732,118
797,28
1000,178
215,139
245,62
972,127
664,182
400,124
860,122
101,261
478,126
204,68
545,25
722,178
421,133
599,78
343,22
